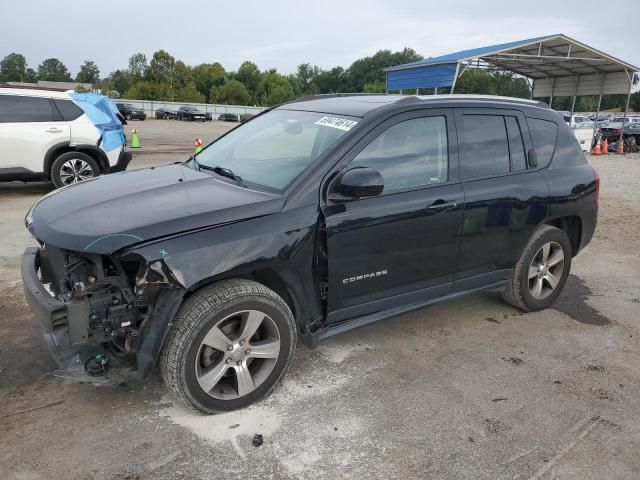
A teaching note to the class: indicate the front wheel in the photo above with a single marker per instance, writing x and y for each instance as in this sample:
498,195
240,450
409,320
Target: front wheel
542,270
73,167
229,346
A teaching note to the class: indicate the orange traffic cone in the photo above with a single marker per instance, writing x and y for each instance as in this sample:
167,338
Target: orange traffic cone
605,147
596,149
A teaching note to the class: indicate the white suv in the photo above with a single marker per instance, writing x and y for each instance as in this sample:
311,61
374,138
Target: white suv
47,135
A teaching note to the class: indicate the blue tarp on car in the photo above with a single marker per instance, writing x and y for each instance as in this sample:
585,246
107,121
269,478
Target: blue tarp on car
104,114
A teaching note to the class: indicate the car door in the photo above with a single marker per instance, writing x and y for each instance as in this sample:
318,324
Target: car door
401,246
505,198
29,127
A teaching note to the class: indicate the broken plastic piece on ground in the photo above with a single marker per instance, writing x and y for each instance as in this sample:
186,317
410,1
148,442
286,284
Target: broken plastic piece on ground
257,440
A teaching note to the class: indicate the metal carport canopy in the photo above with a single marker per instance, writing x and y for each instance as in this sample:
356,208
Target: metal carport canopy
558,66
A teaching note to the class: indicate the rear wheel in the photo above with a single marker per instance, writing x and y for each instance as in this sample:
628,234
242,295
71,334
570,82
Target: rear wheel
542,270
229,346
73,167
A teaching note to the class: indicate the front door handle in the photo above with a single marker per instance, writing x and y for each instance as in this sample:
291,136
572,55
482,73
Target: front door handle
441,206
53,130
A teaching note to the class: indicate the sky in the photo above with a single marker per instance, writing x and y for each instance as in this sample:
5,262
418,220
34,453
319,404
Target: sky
286,33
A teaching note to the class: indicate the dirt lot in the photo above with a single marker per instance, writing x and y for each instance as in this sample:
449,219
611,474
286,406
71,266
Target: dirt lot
472,389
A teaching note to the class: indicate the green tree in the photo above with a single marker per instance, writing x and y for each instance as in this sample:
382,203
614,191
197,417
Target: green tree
274,89
119,81
370,69
13,68
373,87
31,76
189,93
208,75
53,70
161,67
331,81
138,65
233,93
492,83
249,75
89,72
304,77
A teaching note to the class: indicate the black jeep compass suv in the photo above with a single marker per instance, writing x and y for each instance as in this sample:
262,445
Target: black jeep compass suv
310,219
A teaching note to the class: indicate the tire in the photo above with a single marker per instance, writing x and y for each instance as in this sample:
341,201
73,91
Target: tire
530,287
73,167
188,359
127,116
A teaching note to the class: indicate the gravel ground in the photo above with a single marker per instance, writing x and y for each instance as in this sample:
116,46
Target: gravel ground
471,389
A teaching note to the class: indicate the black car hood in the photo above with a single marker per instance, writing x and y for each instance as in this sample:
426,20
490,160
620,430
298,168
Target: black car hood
117,210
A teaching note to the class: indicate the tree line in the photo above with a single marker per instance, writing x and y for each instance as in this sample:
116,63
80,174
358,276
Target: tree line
165,78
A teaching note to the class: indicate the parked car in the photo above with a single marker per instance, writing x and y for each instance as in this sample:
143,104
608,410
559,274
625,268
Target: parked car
46,135
612,133
300,223
164,113
131,112
577,120
229,117
246,116
192,114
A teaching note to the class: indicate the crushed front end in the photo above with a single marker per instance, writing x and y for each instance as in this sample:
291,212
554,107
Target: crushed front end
104,316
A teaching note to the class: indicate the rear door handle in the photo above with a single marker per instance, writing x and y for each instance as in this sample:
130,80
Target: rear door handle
440,206
54,130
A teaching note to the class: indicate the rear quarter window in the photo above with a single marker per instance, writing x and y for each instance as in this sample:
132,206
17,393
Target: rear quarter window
543,134
568,152
68,110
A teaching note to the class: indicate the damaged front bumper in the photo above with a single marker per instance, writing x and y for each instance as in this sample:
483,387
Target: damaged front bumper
98,335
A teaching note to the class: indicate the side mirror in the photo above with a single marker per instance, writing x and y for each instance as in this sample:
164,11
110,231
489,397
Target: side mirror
357,182
533,158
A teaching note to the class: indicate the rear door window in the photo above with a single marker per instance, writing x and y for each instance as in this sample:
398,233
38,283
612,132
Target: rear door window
543,134
20,109
485,146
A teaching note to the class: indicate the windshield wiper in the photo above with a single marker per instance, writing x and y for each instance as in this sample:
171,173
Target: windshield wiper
222,171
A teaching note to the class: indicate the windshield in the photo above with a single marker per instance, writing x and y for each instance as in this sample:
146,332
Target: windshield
275,148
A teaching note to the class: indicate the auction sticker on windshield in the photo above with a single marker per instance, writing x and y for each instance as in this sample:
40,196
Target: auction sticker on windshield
336,122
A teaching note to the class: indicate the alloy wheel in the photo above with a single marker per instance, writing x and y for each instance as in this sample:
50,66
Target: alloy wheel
546,270
237,354
74,171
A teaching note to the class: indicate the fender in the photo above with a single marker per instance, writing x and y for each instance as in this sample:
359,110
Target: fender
276,250
92,150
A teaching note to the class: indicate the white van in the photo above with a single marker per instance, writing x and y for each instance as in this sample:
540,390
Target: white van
47,135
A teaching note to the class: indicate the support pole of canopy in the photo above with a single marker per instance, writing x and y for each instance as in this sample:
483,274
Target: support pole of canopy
553,89
573,102
595,122
455,77
626,107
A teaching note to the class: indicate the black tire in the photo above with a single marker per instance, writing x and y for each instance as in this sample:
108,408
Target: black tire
60,168
127,116
182,352
518,292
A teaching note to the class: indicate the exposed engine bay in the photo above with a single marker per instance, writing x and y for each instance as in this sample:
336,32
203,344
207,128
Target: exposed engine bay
108,302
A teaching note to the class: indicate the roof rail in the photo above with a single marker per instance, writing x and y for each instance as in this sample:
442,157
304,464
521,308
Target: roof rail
321,96
413,98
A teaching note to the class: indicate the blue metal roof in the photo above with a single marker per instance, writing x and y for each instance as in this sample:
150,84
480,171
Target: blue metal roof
472,53
428,76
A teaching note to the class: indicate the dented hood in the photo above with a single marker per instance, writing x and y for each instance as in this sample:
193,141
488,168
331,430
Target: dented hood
118,210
